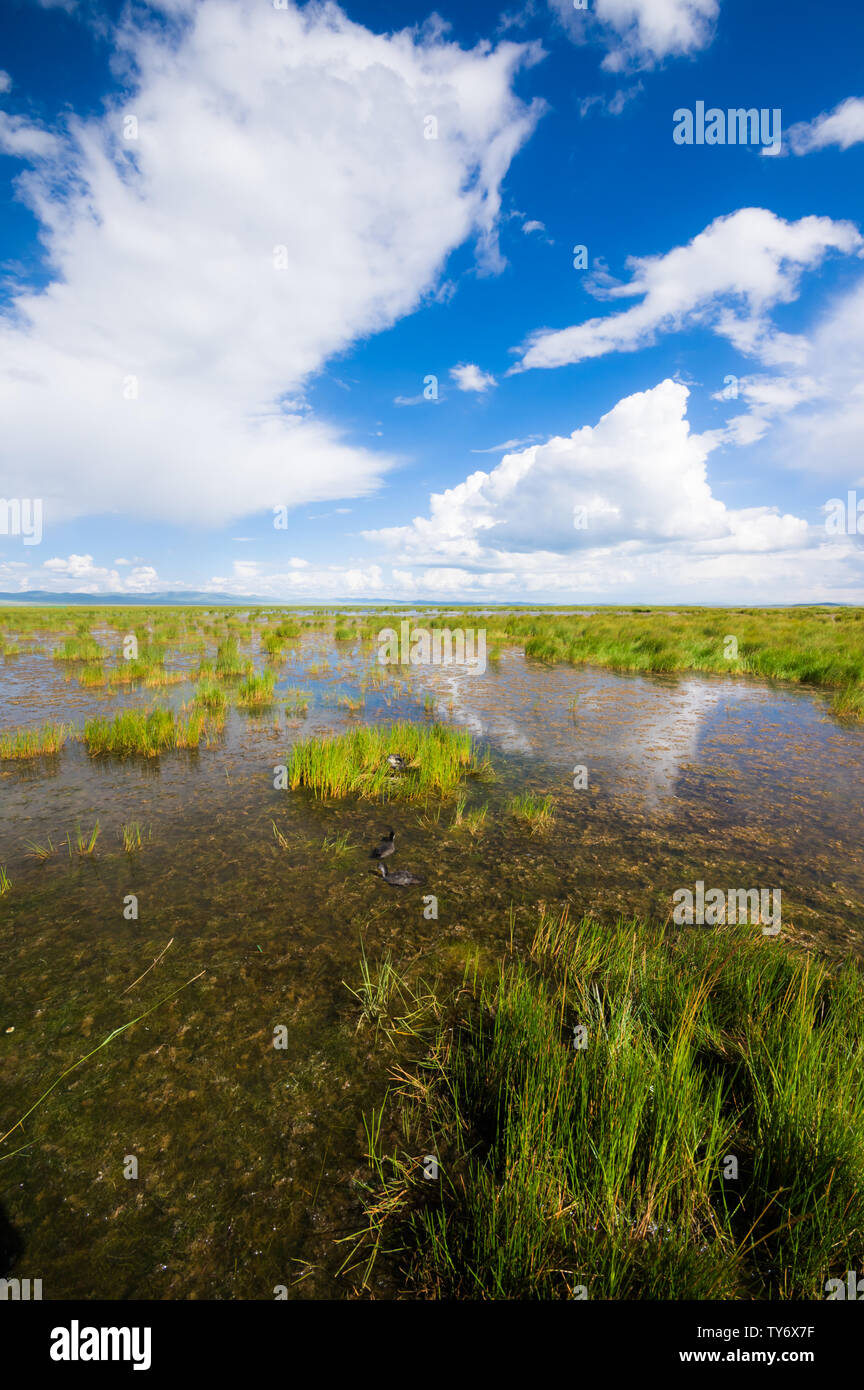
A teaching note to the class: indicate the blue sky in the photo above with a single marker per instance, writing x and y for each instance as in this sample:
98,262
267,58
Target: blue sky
233,258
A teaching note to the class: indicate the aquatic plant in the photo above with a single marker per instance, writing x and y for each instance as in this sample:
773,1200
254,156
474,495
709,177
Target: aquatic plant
338,844
84,843
229,662
849,703
351,702
471,819
437,758
297,702
39,851
211,696
33,743
84,648
90,676
257,690
132,835
537,812
146,731
5,880
586,1101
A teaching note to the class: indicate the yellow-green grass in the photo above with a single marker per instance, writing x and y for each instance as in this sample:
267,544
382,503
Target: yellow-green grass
79,649
436,759
5,880
584,1101
84,843
33,743
536,812
210,695
257,690
133,835
148,732
229,662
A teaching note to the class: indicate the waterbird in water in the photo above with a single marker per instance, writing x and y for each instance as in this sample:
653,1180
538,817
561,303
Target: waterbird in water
399,878
386,847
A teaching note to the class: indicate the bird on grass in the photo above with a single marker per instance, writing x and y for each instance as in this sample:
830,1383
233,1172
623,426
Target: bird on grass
387,846
396,761
398,878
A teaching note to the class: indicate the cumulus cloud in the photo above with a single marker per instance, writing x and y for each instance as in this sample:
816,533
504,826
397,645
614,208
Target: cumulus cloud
5,81
469,377
78,574
262,198
641,33
624,506
726,279
844,126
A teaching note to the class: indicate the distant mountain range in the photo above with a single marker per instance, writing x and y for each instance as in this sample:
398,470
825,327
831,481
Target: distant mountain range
200,598
190,597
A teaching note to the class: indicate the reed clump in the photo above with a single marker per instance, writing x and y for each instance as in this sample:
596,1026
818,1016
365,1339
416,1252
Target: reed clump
148,732
257,690
586,1099
34,743
535,812
435,759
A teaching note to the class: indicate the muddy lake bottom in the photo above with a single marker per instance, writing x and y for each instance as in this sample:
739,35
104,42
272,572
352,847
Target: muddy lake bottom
249,1154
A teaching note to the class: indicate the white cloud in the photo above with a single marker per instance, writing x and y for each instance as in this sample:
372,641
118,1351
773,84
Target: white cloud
257,129
23,139
726,279
639,480
79,575
5,81
844,126
529,227
613,105
641,33
469,377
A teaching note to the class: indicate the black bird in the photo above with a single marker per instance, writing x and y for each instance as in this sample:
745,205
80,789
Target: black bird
387,846
398,878
396,761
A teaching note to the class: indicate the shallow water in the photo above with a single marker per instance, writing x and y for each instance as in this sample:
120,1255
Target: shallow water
247,1153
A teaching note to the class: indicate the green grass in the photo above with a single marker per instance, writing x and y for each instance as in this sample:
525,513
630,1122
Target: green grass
79,649
5,881
355,763
598,1160
338,844
353,703
39,851
133,835
91,676
33,743
148,732
536,812
257,690
344,634
297,702
84,844
229,662
472,819
210,695
849,703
